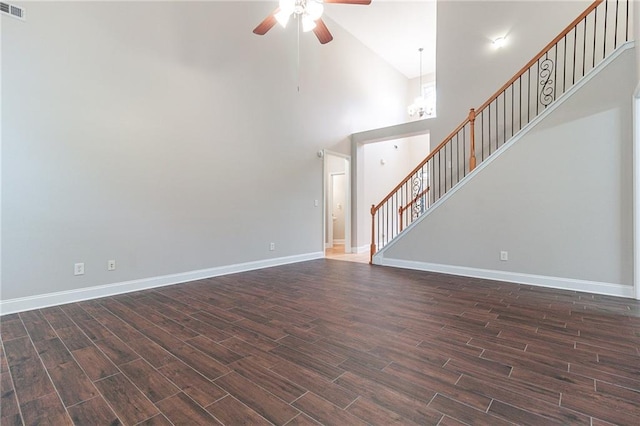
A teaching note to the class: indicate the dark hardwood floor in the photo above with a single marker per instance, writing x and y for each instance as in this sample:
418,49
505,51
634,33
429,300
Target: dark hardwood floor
326,342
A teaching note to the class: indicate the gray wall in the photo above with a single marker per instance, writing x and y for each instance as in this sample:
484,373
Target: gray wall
559,200
167,136
636,30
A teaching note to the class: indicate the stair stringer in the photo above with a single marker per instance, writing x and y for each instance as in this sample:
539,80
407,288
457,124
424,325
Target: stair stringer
387,256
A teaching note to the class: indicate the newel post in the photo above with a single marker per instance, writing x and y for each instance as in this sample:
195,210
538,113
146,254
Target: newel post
373,230
472,158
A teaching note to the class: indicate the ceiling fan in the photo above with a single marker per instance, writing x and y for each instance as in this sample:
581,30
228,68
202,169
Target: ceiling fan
308,11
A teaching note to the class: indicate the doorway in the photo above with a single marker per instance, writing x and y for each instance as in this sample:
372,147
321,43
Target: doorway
337,203
337,200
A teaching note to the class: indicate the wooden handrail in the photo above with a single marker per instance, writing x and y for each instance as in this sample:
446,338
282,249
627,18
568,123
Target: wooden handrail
536,58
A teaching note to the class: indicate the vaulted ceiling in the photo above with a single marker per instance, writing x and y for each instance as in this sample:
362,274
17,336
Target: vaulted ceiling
393,29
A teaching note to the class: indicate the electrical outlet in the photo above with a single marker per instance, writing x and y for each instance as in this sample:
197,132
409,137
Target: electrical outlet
272,246
78,269
504,256
111,265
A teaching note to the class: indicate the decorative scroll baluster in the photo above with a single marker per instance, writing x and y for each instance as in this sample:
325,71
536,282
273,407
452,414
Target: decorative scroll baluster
546,82
417,189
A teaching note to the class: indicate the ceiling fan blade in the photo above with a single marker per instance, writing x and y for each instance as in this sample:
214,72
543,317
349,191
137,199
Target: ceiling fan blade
267,24
362,2
322,32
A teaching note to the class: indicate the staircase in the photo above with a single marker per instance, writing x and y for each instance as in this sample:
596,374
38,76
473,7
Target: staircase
591,38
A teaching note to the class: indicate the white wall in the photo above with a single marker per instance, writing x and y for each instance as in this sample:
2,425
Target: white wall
559,200
399,157
170,138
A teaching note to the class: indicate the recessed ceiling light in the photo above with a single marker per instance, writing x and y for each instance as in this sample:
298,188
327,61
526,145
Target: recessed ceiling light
499,42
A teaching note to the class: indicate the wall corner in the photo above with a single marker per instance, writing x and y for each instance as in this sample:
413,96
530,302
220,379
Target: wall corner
636,192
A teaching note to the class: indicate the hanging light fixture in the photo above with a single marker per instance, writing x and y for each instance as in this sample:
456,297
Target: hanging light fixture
309,11
419,105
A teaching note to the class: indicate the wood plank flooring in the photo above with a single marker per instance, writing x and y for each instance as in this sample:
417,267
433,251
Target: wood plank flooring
326,342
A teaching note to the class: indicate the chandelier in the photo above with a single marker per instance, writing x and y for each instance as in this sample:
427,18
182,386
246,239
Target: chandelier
419,105
308,11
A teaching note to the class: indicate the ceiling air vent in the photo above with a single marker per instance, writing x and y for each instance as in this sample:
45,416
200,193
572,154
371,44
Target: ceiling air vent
11,10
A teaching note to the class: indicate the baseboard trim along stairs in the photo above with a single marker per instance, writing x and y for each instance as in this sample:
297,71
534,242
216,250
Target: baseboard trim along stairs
559,283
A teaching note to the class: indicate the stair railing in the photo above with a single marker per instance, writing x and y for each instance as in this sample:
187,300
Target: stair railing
583,44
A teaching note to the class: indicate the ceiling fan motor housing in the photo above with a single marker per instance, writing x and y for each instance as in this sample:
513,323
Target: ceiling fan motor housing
299,8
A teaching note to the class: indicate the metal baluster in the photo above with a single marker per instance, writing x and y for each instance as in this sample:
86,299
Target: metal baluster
575,38
584,46
595,32
615,31
606,14
564,66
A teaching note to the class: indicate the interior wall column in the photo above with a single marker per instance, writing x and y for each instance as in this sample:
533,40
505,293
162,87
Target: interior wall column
636,191
636,155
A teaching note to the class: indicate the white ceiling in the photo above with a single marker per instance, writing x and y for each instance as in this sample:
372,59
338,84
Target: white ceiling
393,29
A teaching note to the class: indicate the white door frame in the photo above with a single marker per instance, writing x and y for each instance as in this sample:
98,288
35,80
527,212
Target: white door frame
328,242
325,194
330,195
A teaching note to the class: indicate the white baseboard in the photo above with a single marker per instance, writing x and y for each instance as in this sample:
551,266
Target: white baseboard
361,249
338,241
62,297
514,277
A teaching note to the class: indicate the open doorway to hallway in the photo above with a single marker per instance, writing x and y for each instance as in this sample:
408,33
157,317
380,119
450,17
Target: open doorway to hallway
337,253
381,165
337,208
337,202
336,216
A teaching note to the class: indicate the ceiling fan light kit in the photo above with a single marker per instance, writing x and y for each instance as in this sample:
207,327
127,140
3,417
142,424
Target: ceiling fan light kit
308,11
